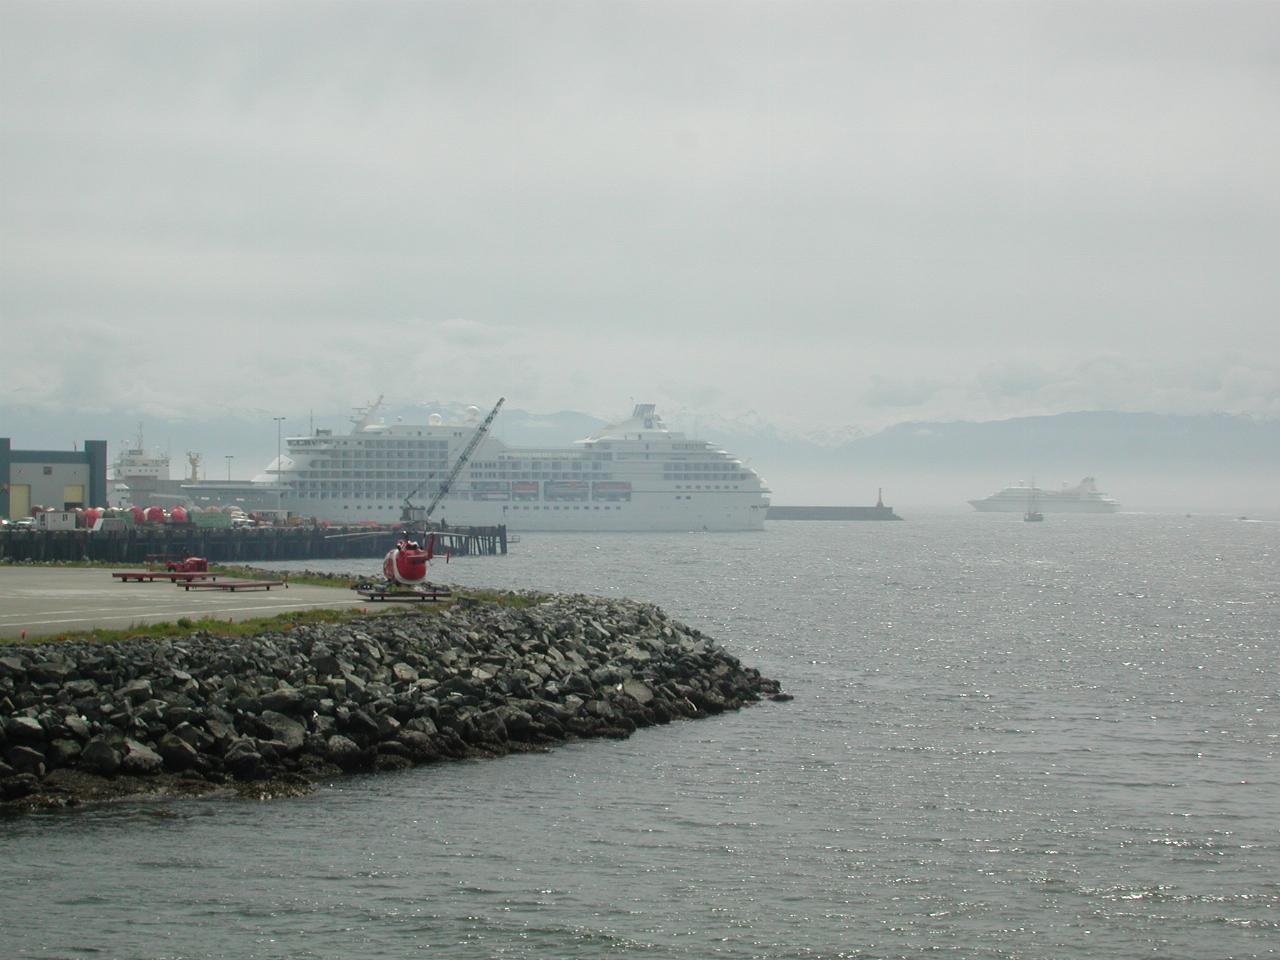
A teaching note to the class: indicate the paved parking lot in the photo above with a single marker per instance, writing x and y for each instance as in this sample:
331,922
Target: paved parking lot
52,600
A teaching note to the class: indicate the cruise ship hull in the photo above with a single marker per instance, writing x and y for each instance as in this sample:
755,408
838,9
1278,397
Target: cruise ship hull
632,476
1044,505
644,513
1084,497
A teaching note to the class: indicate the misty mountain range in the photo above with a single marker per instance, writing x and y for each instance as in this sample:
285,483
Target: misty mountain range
1075,442
1147,460
1069,440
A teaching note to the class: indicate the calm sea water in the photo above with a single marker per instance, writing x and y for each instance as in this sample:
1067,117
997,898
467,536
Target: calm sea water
1009,740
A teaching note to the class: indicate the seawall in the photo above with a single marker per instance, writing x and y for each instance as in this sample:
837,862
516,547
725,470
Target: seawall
221,545
277,711
877,512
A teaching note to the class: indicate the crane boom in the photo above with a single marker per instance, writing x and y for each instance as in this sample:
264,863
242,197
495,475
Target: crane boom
410,511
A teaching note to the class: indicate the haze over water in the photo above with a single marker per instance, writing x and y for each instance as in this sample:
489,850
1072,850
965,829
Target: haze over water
1008,740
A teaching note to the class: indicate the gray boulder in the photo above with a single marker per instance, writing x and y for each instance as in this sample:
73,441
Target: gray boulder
63,753
25,731
404,673
27,760
283,700
345,752
50,671
101,757
418,745
638,690
178,754
327,665
15,787
489,728
135,691
284,729
243,759
140,759
361,725
78,726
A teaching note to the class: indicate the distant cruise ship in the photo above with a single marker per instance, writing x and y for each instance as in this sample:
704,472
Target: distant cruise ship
633,475
1084,497
141,476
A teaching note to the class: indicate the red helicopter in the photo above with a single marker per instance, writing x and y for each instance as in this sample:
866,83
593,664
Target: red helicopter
405,571
406,562
405,565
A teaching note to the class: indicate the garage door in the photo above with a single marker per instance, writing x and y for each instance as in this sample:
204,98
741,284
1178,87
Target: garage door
19,501
72,496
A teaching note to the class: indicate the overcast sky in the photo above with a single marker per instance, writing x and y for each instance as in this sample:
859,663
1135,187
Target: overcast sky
828,213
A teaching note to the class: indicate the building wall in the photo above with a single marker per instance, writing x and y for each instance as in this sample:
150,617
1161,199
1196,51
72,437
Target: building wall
48,474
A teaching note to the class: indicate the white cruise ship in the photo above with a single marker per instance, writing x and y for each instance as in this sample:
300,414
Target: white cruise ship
633,475
1084,497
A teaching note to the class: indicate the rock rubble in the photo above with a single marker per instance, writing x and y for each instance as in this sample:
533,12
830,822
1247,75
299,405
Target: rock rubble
82,720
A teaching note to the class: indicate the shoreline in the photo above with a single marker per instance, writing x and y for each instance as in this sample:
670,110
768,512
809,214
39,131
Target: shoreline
274,713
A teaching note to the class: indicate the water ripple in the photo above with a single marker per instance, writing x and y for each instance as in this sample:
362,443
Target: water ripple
1002,747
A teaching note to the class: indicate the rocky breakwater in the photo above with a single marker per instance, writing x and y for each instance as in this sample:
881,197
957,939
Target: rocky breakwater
276,711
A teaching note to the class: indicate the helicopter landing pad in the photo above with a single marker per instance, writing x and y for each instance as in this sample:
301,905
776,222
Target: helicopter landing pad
47,601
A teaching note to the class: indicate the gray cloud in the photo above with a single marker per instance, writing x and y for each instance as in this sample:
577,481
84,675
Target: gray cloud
810,209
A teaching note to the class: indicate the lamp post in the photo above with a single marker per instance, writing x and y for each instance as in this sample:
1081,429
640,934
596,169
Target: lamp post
278,420
230,457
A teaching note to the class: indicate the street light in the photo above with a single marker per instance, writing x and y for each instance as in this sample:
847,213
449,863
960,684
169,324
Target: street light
278,421
230,457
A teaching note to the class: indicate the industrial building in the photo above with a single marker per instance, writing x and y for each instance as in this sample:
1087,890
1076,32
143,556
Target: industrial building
57,479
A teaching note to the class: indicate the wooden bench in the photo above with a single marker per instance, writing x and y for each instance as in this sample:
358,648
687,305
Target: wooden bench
428,595
150,576
233,585
138,575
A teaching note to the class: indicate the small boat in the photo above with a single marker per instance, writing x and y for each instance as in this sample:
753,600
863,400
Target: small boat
1033,514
